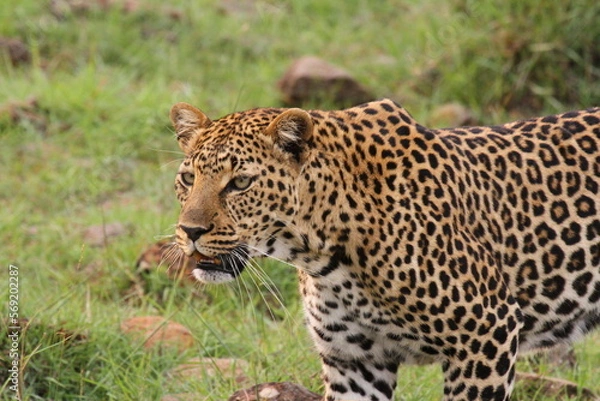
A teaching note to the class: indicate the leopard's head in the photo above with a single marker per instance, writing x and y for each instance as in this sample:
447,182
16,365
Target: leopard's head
237,185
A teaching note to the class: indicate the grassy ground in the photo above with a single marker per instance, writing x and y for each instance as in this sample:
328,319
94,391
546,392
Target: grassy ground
85,142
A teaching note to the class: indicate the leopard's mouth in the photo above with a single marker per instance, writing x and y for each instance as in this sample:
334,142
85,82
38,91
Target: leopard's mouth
206,262
218,269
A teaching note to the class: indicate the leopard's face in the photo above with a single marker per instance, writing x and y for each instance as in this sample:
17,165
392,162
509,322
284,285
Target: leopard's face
236,186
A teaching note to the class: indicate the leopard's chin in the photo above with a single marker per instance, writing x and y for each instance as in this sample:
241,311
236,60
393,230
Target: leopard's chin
212,276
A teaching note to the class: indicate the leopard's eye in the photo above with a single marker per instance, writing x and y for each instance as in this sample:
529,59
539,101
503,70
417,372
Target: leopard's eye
187,178
241,182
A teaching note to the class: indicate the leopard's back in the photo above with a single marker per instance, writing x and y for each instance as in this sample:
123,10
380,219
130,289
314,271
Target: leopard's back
532,191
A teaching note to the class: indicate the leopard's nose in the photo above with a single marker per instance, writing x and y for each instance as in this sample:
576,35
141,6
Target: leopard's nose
194,233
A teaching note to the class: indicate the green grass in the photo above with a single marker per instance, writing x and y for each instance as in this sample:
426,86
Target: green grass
94,146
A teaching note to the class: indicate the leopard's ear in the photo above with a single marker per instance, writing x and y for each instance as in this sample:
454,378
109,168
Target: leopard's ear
291,130
187,119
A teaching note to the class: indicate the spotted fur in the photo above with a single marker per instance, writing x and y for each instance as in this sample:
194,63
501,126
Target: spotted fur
459,246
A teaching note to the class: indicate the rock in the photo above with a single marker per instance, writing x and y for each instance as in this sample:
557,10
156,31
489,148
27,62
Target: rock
17,52
451,115
225,368
157,331
100,234
313,79
284,391
559,389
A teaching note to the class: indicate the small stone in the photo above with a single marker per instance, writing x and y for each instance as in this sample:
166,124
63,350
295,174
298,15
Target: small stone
311,79
157,331
268,393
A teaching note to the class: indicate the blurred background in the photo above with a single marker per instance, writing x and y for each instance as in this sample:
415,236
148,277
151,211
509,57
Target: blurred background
88,160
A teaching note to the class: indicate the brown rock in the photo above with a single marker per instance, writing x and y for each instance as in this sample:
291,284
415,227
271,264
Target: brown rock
558,389
284,391
226,368
17,52
157,331
313,79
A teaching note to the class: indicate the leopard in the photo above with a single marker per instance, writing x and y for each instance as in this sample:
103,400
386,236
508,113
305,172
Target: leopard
463,246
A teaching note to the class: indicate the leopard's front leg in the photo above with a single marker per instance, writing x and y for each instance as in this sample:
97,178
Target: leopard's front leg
356,364
358,380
